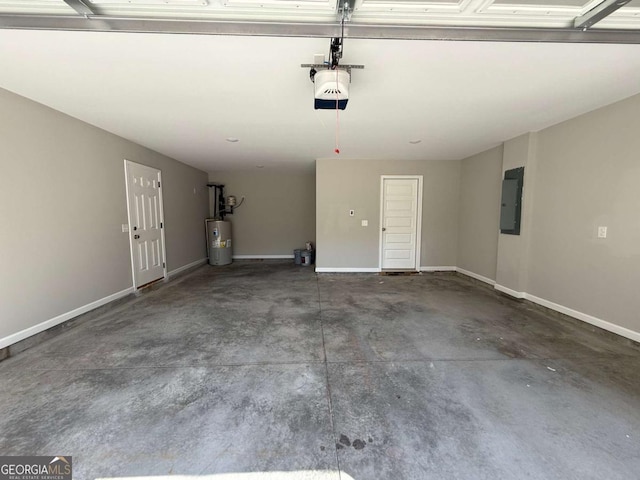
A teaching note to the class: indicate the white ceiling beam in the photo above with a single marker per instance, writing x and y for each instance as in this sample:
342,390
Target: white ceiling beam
315,30
597,13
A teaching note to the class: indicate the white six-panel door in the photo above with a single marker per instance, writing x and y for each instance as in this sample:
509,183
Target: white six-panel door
400,237
146,222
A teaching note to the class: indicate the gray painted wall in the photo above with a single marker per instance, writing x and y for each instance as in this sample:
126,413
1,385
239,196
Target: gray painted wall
279,211
580,174
479,213
62,203
513,250
342,185
588,174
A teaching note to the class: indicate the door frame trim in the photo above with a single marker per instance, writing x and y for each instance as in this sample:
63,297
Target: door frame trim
418,215
164,243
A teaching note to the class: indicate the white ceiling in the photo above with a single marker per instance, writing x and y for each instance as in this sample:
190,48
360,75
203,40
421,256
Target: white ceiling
184,95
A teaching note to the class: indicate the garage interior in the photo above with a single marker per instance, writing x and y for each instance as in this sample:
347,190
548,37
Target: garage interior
500,340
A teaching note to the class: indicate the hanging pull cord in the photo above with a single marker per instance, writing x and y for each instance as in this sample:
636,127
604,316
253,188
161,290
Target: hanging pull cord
336,55
337,89
337,150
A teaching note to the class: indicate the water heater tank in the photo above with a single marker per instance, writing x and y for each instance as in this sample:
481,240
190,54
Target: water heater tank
219,245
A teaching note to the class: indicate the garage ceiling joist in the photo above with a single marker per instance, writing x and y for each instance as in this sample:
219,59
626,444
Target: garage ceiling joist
104,23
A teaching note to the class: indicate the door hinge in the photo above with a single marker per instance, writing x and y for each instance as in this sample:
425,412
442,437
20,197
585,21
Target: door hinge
158,184
164,265
160,224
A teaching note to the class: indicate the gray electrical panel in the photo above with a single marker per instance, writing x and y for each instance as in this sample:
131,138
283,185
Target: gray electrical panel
511,204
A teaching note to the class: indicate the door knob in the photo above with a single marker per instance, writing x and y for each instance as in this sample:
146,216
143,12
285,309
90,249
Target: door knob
136,237
384,229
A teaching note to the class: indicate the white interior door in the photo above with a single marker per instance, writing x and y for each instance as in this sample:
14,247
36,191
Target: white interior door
400,237
146,222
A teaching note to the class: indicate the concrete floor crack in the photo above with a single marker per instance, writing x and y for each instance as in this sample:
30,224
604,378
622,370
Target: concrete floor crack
326,371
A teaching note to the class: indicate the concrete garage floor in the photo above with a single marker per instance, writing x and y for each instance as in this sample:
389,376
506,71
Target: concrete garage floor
265,368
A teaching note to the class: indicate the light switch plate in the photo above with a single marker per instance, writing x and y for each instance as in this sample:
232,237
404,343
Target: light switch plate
125,228
602,232
365,223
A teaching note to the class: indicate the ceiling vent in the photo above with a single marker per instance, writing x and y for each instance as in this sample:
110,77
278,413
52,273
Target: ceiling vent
331,87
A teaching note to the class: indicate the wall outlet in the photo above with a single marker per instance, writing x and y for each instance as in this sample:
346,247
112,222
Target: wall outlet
352,213
365,223
602,232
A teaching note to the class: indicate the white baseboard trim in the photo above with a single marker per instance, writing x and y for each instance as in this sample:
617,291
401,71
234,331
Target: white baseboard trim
598,322
476,276
178,270
437,269
52,322
508,291
257,257
346,270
